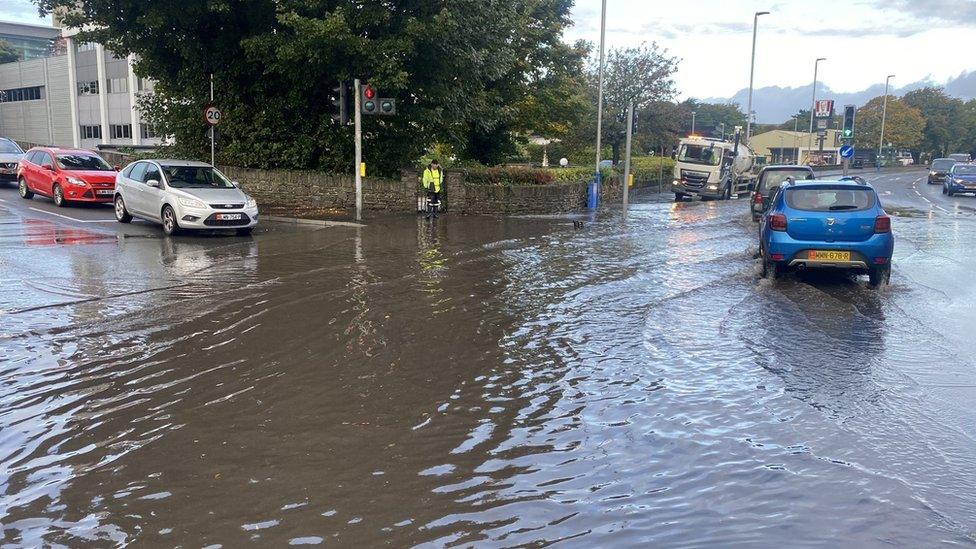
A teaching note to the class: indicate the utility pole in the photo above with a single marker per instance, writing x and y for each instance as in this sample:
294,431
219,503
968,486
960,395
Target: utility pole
692,122
630,133
813,104
752,71
213,146
884,115
595,191
359,150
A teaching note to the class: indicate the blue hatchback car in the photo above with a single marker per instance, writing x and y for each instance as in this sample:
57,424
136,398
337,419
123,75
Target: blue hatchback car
960,179
827,225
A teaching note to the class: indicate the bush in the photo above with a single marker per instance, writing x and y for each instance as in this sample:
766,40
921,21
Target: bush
508,176
648,168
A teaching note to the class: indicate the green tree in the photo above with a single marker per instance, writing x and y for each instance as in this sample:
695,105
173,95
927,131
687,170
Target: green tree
712,118
471,74
7,52
904,125
944,121
799,121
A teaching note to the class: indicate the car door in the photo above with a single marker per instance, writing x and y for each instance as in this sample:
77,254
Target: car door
152,197
44,177
129,186
27,167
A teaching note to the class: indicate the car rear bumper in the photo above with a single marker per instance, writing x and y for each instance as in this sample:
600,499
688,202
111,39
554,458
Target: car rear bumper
874,251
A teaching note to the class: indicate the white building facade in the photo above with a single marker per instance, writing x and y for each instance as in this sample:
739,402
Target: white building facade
85,98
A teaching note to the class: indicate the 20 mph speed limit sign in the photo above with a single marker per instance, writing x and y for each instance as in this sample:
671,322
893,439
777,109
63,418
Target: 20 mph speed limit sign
212,115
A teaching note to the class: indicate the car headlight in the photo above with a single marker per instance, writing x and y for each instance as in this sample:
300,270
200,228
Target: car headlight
75,181
933,173
251,203
191,203
713,187
958,181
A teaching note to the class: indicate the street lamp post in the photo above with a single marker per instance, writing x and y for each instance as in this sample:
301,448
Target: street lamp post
752,70
884,115
692,122
813,104
599,108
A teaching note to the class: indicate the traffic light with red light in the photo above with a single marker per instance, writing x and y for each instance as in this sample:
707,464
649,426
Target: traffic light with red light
368,102
371,103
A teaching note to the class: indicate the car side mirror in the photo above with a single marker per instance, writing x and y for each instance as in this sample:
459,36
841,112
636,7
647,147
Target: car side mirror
48,167
236,184
117,168
153,183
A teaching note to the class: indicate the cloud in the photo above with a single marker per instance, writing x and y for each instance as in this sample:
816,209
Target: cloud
22,11
958,12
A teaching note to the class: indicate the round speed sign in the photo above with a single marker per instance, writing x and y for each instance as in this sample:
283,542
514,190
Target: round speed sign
212,115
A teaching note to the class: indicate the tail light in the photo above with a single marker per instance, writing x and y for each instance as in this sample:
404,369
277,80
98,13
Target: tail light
882,224
757,199
777,222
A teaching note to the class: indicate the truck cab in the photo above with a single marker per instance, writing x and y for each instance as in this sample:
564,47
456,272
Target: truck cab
711,168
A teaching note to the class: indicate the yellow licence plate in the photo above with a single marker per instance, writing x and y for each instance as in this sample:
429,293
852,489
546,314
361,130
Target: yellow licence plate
828,255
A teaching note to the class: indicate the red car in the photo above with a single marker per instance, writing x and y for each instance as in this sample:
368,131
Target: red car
66,175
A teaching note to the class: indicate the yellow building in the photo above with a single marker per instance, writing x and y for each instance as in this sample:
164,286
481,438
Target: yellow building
789,147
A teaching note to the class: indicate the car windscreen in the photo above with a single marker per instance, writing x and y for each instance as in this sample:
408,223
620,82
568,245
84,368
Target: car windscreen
196,177
83,162
942,165
830,199
964,169
9,147
700,154
772,179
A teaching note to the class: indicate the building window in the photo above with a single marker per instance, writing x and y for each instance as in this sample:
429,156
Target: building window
86,46
145,84
148,131
91,132
120,131
117,85
88,88
33,93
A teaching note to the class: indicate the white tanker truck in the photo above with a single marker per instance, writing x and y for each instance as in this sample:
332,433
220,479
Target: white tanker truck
712,168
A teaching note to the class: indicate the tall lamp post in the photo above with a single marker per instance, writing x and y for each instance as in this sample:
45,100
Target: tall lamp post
599,109
752,70
884,115
813,104
692,122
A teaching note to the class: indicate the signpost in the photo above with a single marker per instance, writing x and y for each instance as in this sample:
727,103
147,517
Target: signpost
212,116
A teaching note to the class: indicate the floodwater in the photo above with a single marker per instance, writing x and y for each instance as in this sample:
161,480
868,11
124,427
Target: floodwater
482,381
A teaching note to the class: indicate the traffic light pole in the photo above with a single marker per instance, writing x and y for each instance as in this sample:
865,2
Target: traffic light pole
359,152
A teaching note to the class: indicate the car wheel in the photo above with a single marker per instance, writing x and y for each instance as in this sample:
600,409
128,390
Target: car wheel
121,214
950,192
727,195
25,191
880,275
59,200
943,189
246,231
170,226
678,197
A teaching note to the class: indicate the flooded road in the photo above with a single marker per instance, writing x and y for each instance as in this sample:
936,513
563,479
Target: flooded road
482,381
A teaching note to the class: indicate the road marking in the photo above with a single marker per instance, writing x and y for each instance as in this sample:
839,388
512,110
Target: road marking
72,218
927,200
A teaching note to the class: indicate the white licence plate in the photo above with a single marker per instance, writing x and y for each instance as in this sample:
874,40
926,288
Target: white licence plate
104,192
229,217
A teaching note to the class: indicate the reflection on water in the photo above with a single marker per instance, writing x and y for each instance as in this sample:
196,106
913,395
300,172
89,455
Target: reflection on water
496,382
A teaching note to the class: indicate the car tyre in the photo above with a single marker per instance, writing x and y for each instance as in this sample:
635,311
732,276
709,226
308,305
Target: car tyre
943,189
25,191
950,192
727,194
678,197
122,215
770,269
170,225
59,199
879,276
246,231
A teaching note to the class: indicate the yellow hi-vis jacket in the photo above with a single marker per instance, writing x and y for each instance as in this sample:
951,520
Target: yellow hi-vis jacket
433,180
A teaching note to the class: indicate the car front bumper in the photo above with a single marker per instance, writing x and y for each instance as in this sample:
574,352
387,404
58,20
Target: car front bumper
704,192
957,188
206,219
872,252
87,194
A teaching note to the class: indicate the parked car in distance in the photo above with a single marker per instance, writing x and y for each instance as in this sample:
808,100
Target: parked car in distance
939,169
770,179
961,179
66,175
961,157
10,155
827,225
182,195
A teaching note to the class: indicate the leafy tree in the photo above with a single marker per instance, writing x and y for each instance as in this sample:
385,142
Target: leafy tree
712,118
470,74
7,52
904,125
799,121
944,121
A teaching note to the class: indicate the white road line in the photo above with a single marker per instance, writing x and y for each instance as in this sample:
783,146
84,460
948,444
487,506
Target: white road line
927,200
72,218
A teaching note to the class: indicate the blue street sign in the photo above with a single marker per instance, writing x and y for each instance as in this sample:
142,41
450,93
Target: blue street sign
846,151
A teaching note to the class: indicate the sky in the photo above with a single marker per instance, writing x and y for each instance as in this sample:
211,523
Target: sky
863,40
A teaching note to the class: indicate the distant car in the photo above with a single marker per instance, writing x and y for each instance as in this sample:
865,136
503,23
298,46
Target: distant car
66,175
961,179
961,157
939,169
10,155
827,225
857,163
182,194
770,179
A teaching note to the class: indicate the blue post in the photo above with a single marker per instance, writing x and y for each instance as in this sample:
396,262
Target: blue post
593,193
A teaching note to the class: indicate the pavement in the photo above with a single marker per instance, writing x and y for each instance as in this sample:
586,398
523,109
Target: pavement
608,379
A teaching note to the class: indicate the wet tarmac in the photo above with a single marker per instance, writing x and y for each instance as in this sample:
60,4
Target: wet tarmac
484,381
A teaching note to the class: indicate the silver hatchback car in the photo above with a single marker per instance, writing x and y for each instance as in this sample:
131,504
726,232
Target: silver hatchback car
183,194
